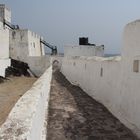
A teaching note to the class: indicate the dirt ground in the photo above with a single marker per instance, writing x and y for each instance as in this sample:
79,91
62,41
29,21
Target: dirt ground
10,91
73,115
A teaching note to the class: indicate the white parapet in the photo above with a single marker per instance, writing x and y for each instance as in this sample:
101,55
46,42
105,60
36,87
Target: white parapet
27,118
83,50
25,43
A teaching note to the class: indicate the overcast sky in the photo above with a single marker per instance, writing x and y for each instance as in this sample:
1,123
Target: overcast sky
62,22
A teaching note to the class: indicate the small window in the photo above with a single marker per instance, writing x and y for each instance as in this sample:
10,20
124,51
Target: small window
136,66
101,72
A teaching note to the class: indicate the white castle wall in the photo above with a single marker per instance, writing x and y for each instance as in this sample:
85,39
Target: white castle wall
5,13
83,50
4,50
38,65
25,46
4,63
27,120
35,47
24,43
115,81
4,44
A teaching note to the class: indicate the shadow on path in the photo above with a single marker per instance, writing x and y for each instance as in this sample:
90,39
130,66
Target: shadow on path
73,115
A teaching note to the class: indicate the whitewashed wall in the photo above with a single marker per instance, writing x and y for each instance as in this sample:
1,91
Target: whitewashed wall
118,86
4,50
24,43
5,13
25,46
4,43
4,63
107,88
19,44
83,50
27,118
34,45
38,65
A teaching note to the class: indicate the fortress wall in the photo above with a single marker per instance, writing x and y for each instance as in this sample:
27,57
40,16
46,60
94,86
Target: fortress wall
83,50
24,43
35,47
25,46
104,81
5,13
4,44
27,118
99,77
38,65
116,82
4,63
4,51
19,44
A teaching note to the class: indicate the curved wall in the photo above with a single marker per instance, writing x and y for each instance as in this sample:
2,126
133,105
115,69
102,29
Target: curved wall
27,119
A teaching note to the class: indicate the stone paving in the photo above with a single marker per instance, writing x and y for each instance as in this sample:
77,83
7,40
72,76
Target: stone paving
73,115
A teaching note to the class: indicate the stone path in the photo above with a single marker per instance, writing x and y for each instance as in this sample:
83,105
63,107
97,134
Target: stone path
73,115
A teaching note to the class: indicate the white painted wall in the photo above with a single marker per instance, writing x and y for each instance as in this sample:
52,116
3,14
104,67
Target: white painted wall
35,48
5,13
38,65
83,50
119,86
19,44
4,63
27,118
24,43
4,44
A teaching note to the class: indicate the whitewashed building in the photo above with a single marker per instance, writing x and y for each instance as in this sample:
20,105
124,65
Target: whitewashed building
83,50
5,14
25,43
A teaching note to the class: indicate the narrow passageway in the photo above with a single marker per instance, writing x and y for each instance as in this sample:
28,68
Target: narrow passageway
73,115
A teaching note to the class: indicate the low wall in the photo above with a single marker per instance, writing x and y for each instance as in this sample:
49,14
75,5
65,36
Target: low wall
27,118
4,63
106,80
38,65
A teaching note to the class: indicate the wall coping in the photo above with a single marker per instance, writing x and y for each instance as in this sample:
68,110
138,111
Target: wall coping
20,122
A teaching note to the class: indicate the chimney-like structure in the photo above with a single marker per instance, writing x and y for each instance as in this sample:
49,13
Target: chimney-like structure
83,41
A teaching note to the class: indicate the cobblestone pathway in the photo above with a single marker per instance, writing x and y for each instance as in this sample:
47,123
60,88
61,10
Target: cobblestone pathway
73,115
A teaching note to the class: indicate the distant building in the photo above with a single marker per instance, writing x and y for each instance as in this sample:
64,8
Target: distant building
81,50
24,43
19,44
84,49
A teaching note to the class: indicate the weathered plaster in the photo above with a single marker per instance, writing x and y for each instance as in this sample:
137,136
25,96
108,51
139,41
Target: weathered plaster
83,50
27,118
112,81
